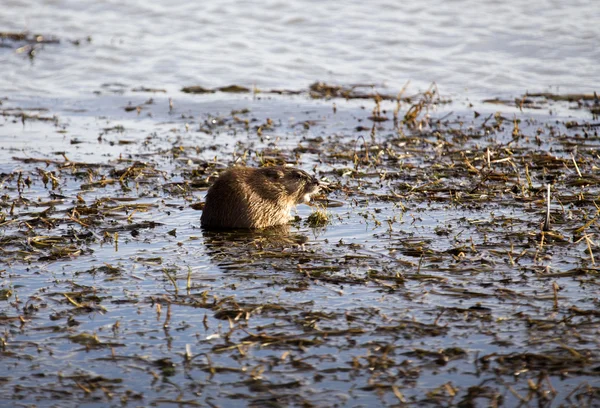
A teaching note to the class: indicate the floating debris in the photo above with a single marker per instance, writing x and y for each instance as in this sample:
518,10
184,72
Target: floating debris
449,244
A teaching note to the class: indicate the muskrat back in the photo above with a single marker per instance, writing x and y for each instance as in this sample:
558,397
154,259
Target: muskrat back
245,197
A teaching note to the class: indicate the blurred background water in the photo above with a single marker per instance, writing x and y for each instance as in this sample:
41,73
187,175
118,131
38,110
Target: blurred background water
468,47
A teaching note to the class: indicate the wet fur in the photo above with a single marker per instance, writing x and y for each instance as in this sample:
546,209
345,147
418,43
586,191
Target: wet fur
244,197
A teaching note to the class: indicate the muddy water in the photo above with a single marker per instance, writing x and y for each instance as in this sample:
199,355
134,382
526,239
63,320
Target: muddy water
491,48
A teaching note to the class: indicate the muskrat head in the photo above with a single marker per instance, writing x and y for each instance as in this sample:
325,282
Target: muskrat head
298,185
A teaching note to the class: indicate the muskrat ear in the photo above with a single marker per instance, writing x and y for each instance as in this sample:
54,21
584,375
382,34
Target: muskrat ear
274,173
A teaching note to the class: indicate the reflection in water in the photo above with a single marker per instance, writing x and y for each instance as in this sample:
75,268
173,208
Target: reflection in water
247,249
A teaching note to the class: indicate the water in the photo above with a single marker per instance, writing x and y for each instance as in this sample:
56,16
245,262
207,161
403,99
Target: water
468,47
431,280
361,307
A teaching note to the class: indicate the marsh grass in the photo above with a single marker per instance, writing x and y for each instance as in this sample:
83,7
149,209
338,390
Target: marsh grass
450,263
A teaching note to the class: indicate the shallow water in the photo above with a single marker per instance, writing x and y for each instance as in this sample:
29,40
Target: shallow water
432,284
468,47
429,285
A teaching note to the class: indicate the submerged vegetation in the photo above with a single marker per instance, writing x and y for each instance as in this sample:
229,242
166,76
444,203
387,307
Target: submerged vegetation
453,261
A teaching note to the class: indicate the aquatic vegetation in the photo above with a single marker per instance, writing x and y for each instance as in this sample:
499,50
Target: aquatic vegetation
452,261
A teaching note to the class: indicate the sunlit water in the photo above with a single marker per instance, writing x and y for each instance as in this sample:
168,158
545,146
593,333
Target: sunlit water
143,347
481,48
470,49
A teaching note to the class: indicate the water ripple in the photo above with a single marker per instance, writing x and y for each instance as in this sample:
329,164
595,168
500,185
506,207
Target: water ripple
492,48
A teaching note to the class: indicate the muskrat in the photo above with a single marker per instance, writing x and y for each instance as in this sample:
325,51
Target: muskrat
245,197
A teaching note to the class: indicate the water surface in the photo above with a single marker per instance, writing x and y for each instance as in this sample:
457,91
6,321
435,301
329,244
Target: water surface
489,48
433,283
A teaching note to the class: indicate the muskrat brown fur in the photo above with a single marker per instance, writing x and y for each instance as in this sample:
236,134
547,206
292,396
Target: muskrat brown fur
244,197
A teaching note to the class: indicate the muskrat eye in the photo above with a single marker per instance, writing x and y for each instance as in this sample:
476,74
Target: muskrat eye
274,173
